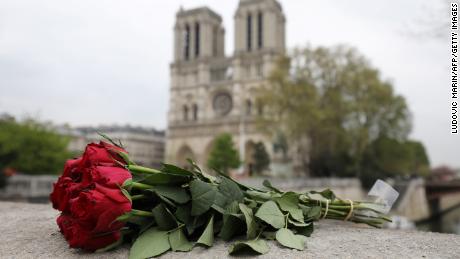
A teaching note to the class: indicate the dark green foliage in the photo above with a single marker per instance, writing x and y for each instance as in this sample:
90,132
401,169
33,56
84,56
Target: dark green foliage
341,116
31,147
387,157
261,158
223,154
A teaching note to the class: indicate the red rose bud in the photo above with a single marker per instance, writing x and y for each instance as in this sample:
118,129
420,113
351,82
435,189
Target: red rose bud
80,173
106,175
79,237
68,185
98,208
92,222
89,195
102,154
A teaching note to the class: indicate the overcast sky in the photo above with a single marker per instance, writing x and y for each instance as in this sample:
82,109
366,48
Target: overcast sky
88,62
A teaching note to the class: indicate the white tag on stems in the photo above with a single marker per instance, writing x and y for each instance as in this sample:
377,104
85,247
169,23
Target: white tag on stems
383,194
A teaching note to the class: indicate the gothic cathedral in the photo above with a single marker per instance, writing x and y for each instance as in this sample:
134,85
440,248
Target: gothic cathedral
211,93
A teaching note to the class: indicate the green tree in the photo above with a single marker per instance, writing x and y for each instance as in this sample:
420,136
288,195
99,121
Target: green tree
387,157
31,147
332,104
223,155
261,158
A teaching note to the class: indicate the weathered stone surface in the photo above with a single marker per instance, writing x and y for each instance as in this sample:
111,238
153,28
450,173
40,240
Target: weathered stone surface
30,231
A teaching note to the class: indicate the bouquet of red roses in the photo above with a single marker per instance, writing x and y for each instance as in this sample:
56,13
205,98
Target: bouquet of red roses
105,200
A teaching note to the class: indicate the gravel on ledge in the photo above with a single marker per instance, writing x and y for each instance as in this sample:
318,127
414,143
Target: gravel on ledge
30,231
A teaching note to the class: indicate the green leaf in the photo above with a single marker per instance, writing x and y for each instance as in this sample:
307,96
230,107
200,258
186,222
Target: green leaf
218,208
289,202
327,193
231,227
179,241
269,185
174,193
221,200
172,169
232,224
242,186
251,225
288,239
305,231
207,238
165,179
203,195
230,190
152,242
164,218
256,245
126,194
270,235
270,213
314,212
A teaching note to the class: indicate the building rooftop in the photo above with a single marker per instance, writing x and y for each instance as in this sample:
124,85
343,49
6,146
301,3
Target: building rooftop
117,128
198,10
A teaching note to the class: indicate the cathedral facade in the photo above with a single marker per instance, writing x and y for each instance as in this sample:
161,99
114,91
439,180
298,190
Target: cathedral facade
211,93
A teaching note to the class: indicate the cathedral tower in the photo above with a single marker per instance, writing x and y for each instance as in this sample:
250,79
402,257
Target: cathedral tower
213,94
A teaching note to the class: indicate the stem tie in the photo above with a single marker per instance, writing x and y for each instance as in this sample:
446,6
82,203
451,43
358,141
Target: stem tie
350,213
327,209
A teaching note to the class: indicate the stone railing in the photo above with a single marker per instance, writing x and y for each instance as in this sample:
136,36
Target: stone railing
28,187
30,231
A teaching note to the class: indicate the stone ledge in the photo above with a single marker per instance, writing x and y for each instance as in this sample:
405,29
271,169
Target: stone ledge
30,231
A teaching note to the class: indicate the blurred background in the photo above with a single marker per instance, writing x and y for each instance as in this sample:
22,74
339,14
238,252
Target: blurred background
310,94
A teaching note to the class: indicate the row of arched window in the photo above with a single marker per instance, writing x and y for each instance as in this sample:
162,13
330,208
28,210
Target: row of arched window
187,39
190,113
260,31
193,110
249,108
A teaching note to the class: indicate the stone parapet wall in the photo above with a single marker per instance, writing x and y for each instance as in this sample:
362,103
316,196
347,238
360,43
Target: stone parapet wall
30,231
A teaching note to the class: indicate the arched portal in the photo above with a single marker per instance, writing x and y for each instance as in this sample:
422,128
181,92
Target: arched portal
207,152
249,157
184,153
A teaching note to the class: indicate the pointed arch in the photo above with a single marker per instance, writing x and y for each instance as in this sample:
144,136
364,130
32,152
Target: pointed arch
260,30
185,112
195,112
248,107
249,32
249,148
187,42
197,39
184,153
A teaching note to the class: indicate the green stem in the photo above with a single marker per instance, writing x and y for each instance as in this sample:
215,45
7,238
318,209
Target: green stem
138,197
141,186
142,213
142,169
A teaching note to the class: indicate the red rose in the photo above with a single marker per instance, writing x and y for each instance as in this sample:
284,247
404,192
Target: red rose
92,223
63,190
67,186
78,237
72,169
97,209
88,193
106,175
102,154
80,173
